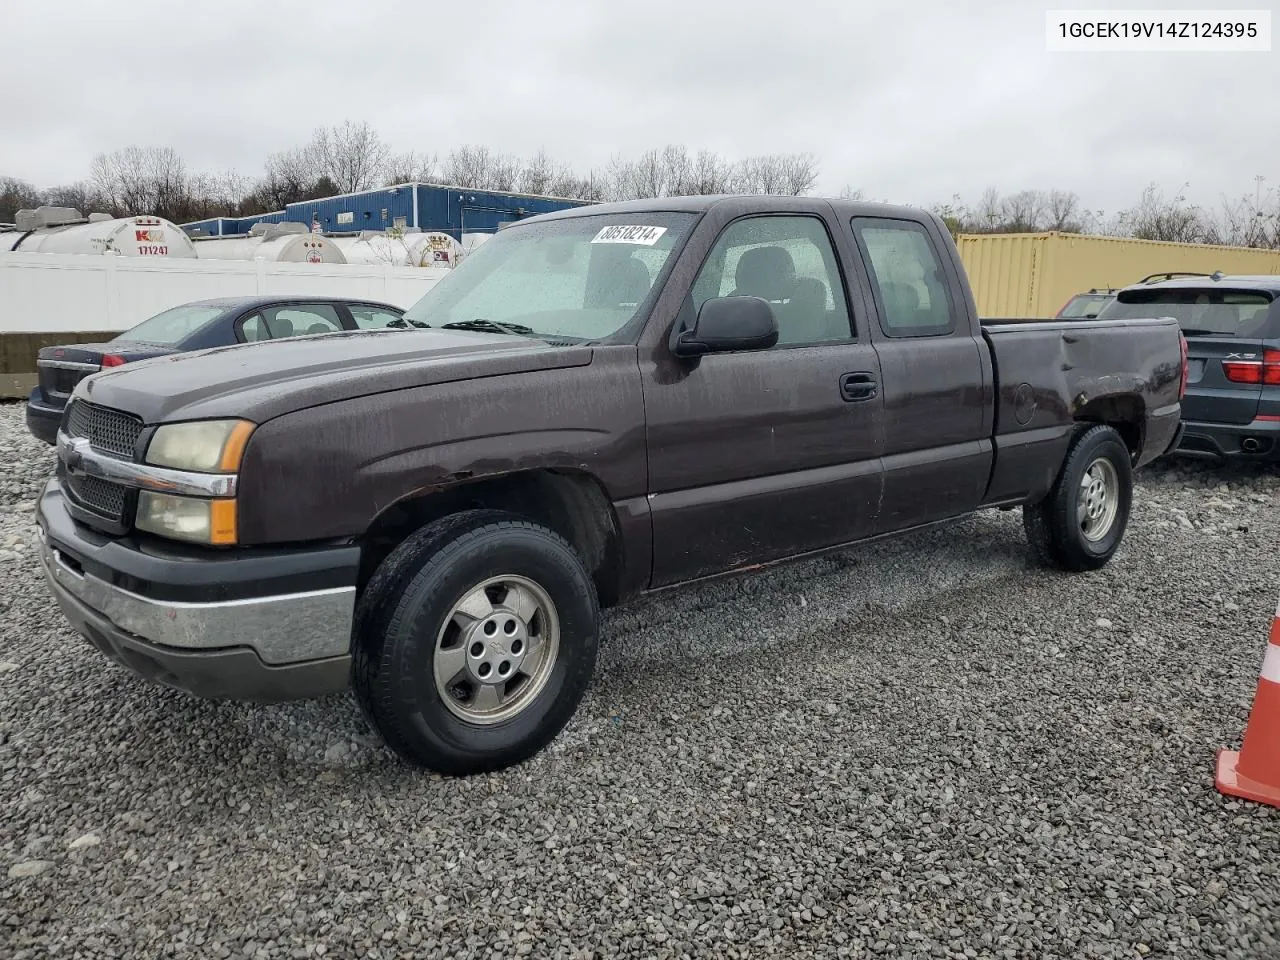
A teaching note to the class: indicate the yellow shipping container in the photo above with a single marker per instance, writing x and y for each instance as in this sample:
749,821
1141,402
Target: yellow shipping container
1034,274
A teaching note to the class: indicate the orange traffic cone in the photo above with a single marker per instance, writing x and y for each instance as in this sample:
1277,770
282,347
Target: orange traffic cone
1254,771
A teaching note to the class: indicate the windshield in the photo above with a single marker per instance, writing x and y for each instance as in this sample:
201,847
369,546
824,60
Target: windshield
1085,305
172,325
1204,313
579,278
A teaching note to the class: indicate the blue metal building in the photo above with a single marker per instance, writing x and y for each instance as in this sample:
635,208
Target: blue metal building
424,206
420,206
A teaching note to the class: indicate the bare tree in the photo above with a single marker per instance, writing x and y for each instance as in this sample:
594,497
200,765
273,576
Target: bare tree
712,174
142,180
291,175
799,173
850,193
16,195
648,176
1062,212
791,174
990,213
479,168
759,174
1249,221
594,186
411,167
1023,212
544,176
218,194
79,196
352,155
1157,218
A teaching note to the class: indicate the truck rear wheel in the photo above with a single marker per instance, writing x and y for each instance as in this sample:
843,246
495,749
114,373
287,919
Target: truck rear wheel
475,641
1080,524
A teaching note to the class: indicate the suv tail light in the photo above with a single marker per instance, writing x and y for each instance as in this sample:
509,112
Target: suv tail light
1186,367
112,360
1265,371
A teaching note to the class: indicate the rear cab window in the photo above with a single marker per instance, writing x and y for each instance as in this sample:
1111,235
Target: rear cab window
907,277
1202,311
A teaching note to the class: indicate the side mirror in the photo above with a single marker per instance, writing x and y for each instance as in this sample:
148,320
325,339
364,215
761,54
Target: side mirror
729,323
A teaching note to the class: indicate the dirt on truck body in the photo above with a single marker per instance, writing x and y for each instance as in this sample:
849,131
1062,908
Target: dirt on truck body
604,401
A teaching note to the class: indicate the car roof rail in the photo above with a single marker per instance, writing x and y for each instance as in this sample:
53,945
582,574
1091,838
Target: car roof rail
1157,277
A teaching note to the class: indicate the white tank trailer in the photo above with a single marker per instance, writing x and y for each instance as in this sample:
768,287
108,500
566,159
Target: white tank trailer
433,249
418,249
273,242
64,230
373,246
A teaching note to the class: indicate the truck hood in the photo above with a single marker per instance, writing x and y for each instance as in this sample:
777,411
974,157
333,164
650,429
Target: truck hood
260,381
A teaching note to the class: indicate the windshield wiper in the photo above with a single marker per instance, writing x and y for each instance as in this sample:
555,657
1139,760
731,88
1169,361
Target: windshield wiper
1207,333
491,326
405,323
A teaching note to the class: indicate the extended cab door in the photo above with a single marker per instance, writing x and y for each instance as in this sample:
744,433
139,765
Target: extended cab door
758,455
935,374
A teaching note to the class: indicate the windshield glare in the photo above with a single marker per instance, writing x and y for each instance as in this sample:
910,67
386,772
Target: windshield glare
171,326
1221,313
579,278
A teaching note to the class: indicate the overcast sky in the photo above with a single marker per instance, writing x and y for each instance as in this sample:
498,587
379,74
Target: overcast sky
911,102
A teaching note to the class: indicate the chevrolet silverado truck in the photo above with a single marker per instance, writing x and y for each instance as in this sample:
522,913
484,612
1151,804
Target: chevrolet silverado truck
603,402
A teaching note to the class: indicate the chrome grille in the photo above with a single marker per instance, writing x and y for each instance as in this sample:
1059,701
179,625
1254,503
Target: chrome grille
98,495
107,430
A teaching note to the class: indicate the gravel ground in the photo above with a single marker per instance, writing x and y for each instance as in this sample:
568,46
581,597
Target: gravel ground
918,748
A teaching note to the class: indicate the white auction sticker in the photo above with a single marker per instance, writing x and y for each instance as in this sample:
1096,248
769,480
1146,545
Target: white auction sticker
631,233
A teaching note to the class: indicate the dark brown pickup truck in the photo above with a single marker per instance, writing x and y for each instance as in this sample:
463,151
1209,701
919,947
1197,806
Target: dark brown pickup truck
609,400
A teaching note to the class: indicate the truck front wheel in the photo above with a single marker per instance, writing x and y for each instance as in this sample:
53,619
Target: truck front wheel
475,641
1080,524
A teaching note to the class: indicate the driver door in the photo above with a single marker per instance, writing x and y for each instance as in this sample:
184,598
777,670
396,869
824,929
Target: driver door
759,455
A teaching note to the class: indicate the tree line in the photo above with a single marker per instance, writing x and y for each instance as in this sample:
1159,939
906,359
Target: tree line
350,157
1246,220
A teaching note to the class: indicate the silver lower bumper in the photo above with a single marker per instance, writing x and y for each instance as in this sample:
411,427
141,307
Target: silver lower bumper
279,630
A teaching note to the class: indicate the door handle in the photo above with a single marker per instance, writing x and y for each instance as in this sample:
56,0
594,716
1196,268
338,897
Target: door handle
858,386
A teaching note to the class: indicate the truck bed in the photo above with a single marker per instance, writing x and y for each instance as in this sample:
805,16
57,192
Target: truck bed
1052,374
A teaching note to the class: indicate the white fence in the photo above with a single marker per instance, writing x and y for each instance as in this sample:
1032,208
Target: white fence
50,293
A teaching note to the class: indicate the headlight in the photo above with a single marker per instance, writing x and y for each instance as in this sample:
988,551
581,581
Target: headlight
187,518
203,446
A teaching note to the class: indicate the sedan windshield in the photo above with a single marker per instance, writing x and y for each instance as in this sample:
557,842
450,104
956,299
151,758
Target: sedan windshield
579,278
171,326
1200,313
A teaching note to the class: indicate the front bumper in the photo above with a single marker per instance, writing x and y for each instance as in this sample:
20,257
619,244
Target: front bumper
43,417
1259,440
243,625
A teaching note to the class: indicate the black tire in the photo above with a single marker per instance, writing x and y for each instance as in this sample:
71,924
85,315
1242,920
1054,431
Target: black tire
404,607
1053,526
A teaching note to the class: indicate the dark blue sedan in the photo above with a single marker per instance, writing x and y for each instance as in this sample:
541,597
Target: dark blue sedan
195,326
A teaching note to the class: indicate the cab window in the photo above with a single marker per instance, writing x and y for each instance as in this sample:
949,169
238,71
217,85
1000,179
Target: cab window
906,272
788,261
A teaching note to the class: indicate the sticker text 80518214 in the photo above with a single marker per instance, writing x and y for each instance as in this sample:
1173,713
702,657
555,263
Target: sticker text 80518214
630,233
